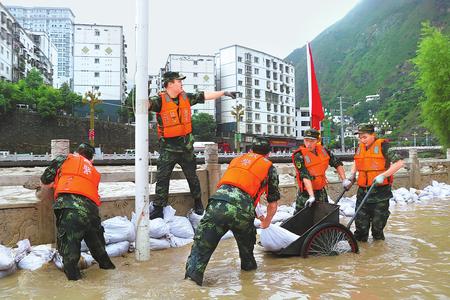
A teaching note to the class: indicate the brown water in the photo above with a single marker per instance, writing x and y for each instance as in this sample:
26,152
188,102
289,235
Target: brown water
413,263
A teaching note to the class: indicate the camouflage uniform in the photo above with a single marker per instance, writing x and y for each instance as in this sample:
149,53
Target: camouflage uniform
375,210
77,218
320,195
228,209
175,150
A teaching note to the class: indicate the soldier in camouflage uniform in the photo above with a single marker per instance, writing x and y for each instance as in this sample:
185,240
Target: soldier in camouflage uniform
306,195
77,218
179,148
375,211
231,208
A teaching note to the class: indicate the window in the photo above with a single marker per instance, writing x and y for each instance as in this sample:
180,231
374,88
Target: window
287,69
256,82
248,56
195,74
268,63
305,123
268,107
248,93
97,47
239,71
304,114
195,87
257,116
269,119
195,63
239,59
275,76
256,103
257,94
248,69
256,60
240,82
96,74
275,108
97,33
97,60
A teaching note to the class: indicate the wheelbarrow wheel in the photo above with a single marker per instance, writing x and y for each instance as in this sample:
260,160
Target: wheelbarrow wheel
329,240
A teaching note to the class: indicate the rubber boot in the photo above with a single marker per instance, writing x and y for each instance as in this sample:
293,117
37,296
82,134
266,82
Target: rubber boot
198,279
72,272
198,207
106,263
157,212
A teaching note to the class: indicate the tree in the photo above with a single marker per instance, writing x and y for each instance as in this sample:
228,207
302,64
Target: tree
69,98
432,70
204,127
126,111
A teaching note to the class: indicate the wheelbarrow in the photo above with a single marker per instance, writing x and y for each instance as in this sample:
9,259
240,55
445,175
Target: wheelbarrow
319,231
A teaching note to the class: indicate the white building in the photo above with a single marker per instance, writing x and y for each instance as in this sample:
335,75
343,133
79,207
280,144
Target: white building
302,121
100,64
6,31
199,72
48,50
370,98
58,23
267,92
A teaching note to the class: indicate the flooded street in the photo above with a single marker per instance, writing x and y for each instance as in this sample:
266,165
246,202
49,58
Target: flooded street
413,262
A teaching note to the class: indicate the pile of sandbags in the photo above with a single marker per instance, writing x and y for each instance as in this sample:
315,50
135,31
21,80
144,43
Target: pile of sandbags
7,262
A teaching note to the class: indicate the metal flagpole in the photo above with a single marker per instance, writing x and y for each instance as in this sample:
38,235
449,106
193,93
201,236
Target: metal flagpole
308,63
141,135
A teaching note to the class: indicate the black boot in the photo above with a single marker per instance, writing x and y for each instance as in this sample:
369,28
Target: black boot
198,207
198,279
157,212
72,272
106,263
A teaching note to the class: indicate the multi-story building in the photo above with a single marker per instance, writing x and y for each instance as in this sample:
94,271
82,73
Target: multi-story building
302,121
199,72
20,51
58,23
267,94
100,64
48,53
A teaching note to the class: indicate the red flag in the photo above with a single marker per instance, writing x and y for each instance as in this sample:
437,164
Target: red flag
315,103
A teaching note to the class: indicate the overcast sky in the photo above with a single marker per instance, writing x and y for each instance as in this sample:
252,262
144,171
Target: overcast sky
276,27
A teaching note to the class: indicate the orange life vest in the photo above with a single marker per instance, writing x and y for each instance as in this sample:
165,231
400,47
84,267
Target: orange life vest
78,176
370,163
316,164
248,172
176,119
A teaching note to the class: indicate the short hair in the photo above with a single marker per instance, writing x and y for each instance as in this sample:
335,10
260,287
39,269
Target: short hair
261,145
86,150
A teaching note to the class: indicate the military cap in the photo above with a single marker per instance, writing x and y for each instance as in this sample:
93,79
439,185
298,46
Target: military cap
168,76
365,128
311,133
86,150
261,145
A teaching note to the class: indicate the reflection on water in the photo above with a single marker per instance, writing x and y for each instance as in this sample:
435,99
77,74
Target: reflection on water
413,262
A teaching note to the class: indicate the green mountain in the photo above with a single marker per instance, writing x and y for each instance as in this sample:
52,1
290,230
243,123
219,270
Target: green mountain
368,52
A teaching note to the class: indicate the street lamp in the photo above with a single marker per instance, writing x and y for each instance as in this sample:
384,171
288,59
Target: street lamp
237,112
92,98
426,137
415,135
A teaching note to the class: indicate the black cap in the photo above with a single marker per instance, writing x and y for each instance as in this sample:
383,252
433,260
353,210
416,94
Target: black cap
365,128
86,150
261,145
311,133
168,76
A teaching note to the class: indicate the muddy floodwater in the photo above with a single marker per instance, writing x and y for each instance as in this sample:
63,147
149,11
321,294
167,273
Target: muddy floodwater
413,263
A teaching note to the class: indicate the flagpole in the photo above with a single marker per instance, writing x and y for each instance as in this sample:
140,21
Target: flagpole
308,63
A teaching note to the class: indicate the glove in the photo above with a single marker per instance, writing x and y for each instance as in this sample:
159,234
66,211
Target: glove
310,201
379,179
230,94
346,184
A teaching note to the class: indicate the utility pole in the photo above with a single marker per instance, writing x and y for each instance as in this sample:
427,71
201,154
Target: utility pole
91,98
141,136
342,125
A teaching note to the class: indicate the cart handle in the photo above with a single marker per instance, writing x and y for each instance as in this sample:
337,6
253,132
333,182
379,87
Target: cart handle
352,179
361,204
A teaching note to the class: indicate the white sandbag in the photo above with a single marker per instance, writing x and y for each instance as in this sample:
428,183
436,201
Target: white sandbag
23,248
118,229
227,235
6,258
117,249
275,238
12,270
257,223
159,244
195,219
158,228
169,213
260,210
280,216
181,227
285,208
176,242
38,256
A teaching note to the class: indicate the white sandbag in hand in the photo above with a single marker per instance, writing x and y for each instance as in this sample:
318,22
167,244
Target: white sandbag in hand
158,228
195,219
118,229
181,227
275,238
